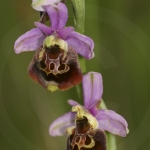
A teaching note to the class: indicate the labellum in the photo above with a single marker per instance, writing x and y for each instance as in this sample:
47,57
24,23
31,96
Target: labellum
55,65
83,137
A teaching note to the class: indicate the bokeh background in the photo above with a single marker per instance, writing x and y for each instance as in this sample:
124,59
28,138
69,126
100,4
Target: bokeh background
121,32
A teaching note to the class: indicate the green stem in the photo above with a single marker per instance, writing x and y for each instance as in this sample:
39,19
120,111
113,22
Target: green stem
79,15
79,19
111,139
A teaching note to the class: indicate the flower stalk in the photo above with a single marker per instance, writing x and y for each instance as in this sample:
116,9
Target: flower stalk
79,15
79,20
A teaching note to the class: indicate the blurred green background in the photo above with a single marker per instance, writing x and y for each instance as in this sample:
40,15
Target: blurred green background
121,32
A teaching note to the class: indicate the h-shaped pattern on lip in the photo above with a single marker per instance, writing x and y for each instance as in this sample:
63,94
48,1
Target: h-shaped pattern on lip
52,57
55,66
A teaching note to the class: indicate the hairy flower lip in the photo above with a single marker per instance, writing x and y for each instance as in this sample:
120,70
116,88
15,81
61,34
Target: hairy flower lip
93,139
83,136
54,78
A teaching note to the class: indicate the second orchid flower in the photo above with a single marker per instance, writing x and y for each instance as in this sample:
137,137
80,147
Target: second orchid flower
86,124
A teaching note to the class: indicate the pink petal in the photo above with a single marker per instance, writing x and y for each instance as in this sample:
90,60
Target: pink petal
92,85
47,30
58,127
112,122
63,33
82,44
72,102
29,41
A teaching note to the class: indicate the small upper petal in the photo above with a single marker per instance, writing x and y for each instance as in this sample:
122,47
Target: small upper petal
47,30
58,127
112,122
92,85
72,102
38,4
29,41
82,44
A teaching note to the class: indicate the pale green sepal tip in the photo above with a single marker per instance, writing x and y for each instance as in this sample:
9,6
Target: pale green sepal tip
127,130
37,3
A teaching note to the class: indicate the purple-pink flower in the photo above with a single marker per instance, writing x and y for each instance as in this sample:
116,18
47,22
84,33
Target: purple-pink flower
55,63
89,120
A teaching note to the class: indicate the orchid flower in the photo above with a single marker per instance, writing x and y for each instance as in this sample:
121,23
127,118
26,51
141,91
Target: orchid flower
55,63
86,124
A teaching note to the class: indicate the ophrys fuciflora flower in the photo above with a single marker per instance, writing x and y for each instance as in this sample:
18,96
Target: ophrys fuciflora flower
86,125
55,63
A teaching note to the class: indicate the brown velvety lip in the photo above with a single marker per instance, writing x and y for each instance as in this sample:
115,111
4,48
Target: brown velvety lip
55,68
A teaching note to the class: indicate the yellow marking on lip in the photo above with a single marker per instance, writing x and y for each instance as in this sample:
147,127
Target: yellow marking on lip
70,129
52,88
41,54
92,144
